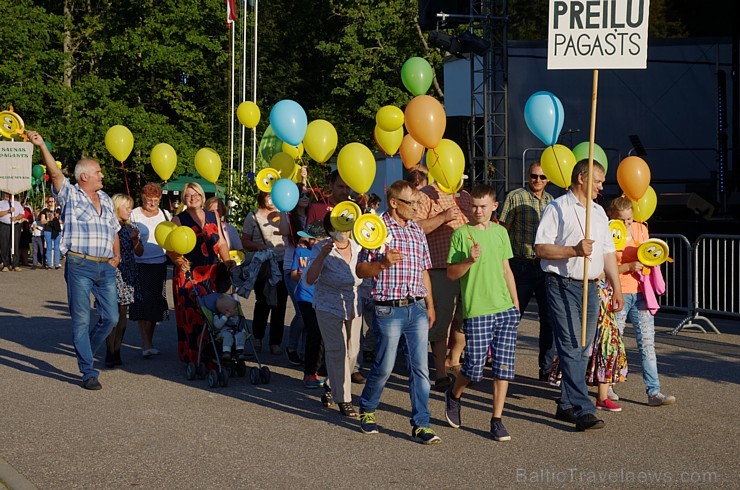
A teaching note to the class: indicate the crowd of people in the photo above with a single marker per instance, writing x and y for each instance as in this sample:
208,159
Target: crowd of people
450,278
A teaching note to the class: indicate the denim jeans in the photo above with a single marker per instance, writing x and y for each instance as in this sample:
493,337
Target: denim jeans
52,244
297,338
99,278
565,298
635,309
530,280
389,324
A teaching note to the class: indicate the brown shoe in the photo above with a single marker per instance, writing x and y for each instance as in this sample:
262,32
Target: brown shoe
358,378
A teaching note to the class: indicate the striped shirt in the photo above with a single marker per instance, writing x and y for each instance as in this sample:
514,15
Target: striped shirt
404,279
434,202
85,230
522,212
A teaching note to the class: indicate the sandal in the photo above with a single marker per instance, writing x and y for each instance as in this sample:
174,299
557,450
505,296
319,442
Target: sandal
346,409
327,400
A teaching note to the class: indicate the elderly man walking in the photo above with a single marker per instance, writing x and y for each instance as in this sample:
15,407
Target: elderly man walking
90,242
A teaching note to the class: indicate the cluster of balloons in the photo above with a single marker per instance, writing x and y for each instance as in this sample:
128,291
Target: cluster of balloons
633,176
545,116
173,238
119,141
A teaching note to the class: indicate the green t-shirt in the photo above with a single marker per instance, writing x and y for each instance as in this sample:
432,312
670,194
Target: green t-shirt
483,287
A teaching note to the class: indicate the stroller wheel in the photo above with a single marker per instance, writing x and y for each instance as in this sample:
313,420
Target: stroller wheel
241,369
212,378
265,374
202,370
190,371
254,375
223,378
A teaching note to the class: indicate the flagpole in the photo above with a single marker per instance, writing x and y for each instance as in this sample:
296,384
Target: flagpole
231,116
254,86
244,81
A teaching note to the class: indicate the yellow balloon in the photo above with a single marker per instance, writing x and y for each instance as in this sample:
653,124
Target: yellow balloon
643,208
389,141
451,190
162,231
294,151
59,165
181,240
296,177
446,163
557,162
248,114
208,164
164,160
320,140
356,165
283,163
389,118
119,141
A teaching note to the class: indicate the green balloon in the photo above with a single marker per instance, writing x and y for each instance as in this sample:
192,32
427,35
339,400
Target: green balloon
37,172
580,151
270,145
49,146
417,75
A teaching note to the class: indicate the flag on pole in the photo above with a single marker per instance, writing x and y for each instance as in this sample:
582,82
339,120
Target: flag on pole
230,11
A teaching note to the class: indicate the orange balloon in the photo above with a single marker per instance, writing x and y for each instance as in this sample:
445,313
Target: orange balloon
425,120
633,175
411,152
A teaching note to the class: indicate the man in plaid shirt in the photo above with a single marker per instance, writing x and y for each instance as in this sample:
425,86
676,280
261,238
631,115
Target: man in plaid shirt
90,242
403,308
521,216
439,214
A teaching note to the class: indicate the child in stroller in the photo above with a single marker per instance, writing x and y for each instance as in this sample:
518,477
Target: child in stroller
228,324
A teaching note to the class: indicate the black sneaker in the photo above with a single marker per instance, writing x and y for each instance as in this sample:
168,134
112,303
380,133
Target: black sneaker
589,421
92,384
367,422
452,410
294,358
567,415
425,435
499,432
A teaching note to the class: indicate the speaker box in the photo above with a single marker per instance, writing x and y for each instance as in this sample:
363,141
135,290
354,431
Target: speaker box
683,205
428,10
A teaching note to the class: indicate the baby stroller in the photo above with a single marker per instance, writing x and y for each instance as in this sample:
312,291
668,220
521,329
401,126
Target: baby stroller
208,363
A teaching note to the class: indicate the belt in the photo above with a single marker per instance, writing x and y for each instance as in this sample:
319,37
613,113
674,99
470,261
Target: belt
89,257
399,302
570,278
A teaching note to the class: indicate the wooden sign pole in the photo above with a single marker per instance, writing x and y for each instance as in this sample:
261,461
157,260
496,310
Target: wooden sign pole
589,186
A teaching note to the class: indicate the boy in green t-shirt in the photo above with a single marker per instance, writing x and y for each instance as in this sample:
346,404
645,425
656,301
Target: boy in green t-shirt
479,257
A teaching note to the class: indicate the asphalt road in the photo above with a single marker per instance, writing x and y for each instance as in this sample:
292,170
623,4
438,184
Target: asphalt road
151,428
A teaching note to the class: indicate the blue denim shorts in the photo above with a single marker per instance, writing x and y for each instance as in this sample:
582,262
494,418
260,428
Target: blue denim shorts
499,331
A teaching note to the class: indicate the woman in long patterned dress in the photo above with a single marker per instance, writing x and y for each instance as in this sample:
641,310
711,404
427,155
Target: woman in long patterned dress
127,284
210,246
608,362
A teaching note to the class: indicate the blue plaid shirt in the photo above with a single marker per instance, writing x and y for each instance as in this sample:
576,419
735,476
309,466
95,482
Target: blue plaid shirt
404,279
85,231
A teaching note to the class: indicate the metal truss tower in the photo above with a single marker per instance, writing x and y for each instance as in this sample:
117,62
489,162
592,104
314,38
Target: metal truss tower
489,138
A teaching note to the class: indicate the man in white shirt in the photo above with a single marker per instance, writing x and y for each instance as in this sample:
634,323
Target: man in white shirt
561,245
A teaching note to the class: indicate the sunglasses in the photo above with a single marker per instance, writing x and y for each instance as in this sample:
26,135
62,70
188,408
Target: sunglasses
413,204
536,176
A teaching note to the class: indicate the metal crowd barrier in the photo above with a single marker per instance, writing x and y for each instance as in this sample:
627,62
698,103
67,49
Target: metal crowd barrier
711,270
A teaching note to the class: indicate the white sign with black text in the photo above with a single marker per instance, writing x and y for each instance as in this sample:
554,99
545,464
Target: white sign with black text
593,34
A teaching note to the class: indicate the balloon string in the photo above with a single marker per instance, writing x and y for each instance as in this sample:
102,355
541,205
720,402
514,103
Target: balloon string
313,190
562,176
125,179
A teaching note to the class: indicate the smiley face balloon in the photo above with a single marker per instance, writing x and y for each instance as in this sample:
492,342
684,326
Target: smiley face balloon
266,178
344,215
652,253
11,125
369,231
619,233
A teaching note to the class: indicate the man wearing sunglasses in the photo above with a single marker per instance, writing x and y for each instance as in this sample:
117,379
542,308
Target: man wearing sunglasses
521,215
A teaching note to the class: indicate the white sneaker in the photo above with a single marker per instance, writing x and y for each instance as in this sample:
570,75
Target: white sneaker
611,394
661,399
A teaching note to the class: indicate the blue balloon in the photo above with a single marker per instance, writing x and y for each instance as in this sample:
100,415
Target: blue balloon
284,195
289,121
544,116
